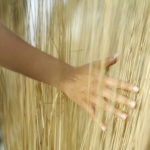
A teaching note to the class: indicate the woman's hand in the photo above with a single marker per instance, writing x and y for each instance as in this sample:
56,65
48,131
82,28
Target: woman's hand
82,88
76,83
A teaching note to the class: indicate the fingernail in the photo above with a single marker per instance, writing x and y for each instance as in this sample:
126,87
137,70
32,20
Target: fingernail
116,56
124,116
103,128
132,104
135,89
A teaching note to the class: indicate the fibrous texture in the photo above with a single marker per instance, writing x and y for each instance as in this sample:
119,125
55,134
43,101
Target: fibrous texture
36,116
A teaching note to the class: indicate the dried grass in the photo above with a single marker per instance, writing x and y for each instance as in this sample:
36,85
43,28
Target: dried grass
36,116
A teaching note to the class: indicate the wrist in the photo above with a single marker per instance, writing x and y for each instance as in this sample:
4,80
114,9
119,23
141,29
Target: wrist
65,76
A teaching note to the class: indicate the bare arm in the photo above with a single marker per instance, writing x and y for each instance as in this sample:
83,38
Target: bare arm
17,55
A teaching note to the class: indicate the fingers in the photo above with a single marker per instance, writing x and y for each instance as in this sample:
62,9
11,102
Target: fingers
101,124
119,98
110,61
112,109
121,85
90,107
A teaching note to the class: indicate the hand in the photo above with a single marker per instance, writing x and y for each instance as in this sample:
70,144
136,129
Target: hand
76,87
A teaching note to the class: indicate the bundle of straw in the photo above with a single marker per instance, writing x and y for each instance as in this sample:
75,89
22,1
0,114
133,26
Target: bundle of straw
36,116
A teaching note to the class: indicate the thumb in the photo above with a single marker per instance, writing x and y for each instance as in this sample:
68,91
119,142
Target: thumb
111,60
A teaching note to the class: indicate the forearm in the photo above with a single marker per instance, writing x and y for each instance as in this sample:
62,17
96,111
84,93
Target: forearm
17,55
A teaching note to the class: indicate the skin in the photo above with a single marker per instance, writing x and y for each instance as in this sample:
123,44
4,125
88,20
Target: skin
18,56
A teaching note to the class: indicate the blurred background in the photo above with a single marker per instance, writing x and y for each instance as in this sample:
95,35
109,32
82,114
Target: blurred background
36,116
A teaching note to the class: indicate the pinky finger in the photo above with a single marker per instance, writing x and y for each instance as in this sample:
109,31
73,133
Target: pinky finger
91,109
100,123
